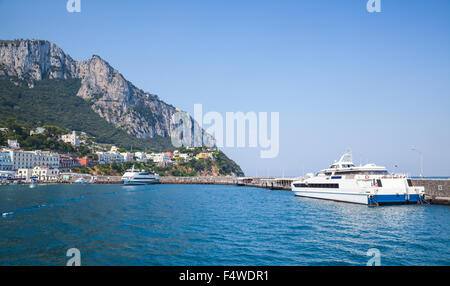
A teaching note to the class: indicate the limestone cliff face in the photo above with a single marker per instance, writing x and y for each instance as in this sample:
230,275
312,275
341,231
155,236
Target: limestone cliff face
114,98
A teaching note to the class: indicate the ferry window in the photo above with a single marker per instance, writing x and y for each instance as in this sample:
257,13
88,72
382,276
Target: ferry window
410,183
299,185
379,183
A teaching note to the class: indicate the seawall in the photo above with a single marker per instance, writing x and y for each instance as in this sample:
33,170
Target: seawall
199,180
437,190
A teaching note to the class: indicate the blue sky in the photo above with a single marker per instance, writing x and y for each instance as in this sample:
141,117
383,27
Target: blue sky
340,77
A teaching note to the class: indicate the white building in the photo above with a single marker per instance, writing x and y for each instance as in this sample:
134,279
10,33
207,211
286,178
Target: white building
38,130
45,173
30,159
184,156
107,157
127,156
160,158
13,144
141,156
43,158
119,158
21,159
6,163
71,138
24,173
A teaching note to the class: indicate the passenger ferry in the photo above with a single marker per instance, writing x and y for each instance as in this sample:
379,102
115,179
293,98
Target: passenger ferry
369,185
139,177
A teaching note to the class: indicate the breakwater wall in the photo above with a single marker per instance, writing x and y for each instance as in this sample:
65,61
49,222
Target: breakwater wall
267,183
108,180
437,190
199,180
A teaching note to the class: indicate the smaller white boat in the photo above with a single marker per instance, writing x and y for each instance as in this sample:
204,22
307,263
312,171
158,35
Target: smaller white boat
139,177
80,181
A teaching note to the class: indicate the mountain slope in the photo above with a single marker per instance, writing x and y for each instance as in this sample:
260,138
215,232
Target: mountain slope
55,102
109,94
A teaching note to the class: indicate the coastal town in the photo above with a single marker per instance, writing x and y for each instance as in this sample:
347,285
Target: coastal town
21,166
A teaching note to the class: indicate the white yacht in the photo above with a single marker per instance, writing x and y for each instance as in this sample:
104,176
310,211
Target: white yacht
139,177
368,184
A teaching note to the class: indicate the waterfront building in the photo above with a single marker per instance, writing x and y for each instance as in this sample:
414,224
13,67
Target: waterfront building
6,163
71,138
44,173
7,174
67,162
21,159
44,158
29,159
24,173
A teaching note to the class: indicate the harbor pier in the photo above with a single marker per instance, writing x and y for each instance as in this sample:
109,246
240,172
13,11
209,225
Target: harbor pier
437,191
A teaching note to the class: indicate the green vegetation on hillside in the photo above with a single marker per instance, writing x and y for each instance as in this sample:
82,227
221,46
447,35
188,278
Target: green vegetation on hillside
48,140
224,164
54,102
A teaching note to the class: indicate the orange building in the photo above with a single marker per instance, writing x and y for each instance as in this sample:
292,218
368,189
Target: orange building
85,161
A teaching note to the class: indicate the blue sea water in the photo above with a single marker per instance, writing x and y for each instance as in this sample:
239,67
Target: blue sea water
211,225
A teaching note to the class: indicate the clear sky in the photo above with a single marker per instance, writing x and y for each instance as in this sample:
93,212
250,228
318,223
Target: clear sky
340,77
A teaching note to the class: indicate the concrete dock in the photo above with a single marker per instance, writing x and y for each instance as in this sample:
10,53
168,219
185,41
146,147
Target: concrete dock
437,191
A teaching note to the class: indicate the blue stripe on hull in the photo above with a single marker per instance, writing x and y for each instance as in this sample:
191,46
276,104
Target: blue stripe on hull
395,199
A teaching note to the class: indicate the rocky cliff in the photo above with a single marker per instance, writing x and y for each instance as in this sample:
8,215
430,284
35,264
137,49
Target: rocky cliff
111,96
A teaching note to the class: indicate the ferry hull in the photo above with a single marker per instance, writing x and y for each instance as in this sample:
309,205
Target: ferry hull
396,199
364,199
338,197
137,183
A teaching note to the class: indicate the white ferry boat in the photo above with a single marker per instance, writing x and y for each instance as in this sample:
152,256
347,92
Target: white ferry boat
368,184
139,177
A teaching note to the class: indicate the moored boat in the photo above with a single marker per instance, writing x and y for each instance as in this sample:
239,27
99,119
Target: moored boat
139,177
369,185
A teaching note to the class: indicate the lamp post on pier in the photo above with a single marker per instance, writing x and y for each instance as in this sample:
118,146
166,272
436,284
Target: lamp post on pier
421,160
